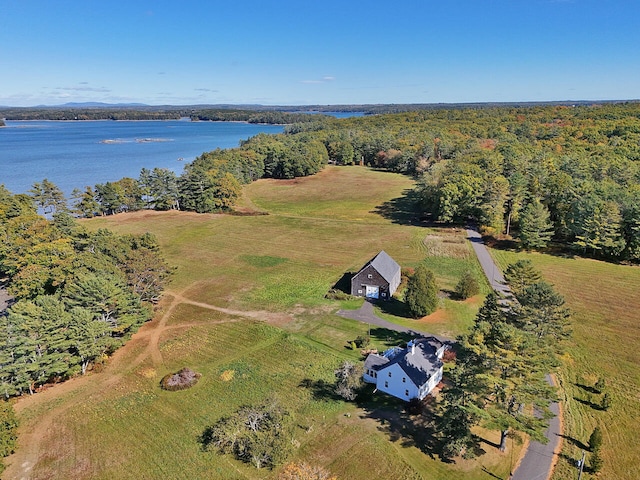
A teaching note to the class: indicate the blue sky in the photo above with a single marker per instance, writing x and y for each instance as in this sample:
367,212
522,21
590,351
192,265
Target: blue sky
282,52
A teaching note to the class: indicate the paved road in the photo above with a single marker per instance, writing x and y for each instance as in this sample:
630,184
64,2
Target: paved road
539,459
538,462
366,314
491,270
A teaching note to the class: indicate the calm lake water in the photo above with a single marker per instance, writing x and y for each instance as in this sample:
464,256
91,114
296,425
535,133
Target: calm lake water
76,154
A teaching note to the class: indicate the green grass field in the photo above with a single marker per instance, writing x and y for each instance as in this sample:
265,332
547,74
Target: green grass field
606,324
270,274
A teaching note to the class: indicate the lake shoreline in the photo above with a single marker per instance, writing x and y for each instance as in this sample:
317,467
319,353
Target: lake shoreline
78,153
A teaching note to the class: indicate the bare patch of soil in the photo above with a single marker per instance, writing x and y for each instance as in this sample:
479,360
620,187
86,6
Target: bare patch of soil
438,316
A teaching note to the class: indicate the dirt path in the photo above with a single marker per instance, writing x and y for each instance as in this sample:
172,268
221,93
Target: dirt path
33,435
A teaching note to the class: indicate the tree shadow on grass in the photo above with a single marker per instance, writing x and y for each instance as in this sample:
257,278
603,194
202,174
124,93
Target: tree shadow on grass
394,307
587,388
408,430
574,441
488,442
450,294
491,474
588,403
554,249
320,389
390,337
573,462
404,210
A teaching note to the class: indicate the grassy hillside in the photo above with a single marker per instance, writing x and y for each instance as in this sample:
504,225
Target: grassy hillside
604,300
246,309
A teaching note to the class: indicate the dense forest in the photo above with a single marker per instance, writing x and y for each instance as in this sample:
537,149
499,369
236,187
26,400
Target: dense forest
77,295
544,175
539,174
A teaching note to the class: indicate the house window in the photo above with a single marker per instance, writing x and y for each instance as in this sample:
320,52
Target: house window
404,380
406,392
369,276
386,384
375,374
389,374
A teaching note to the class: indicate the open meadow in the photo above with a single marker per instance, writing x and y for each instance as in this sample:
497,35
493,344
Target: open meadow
246,309
604,301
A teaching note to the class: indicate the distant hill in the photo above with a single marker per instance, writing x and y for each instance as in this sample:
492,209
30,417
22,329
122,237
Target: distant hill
95,105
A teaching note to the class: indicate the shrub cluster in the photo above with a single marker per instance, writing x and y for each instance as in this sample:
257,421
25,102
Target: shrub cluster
467,286
259,435
337,294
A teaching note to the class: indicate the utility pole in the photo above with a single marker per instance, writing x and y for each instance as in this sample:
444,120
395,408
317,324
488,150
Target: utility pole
581,465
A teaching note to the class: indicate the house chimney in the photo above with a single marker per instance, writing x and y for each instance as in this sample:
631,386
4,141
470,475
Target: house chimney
413,347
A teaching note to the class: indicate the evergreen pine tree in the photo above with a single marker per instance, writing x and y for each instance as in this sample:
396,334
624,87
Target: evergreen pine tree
535,226
520,275
421,295
595,462
595,440
512,367
467,286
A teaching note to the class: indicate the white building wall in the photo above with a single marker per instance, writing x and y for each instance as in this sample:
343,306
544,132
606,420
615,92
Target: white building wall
394,381
435,379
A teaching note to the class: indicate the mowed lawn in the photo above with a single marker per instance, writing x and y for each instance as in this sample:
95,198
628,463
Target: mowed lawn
605,301
276,333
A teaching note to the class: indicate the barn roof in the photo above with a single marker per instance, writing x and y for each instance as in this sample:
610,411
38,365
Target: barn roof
384,265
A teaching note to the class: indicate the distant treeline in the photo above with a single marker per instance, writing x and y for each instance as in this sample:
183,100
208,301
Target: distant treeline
272,117
270,114
78,295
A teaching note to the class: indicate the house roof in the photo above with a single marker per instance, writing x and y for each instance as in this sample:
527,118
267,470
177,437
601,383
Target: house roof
384,265
419,365
374,360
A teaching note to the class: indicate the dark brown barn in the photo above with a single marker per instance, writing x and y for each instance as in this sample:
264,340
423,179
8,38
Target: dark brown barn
378,279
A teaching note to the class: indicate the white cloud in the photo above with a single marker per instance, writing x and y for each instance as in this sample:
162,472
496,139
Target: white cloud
325,79
84,89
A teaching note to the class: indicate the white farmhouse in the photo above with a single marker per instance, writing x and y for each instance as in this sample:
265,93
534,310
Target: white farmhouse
406,373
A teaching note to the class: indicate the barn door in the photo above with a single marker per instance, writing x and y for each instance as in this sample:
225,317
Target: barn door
372,292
